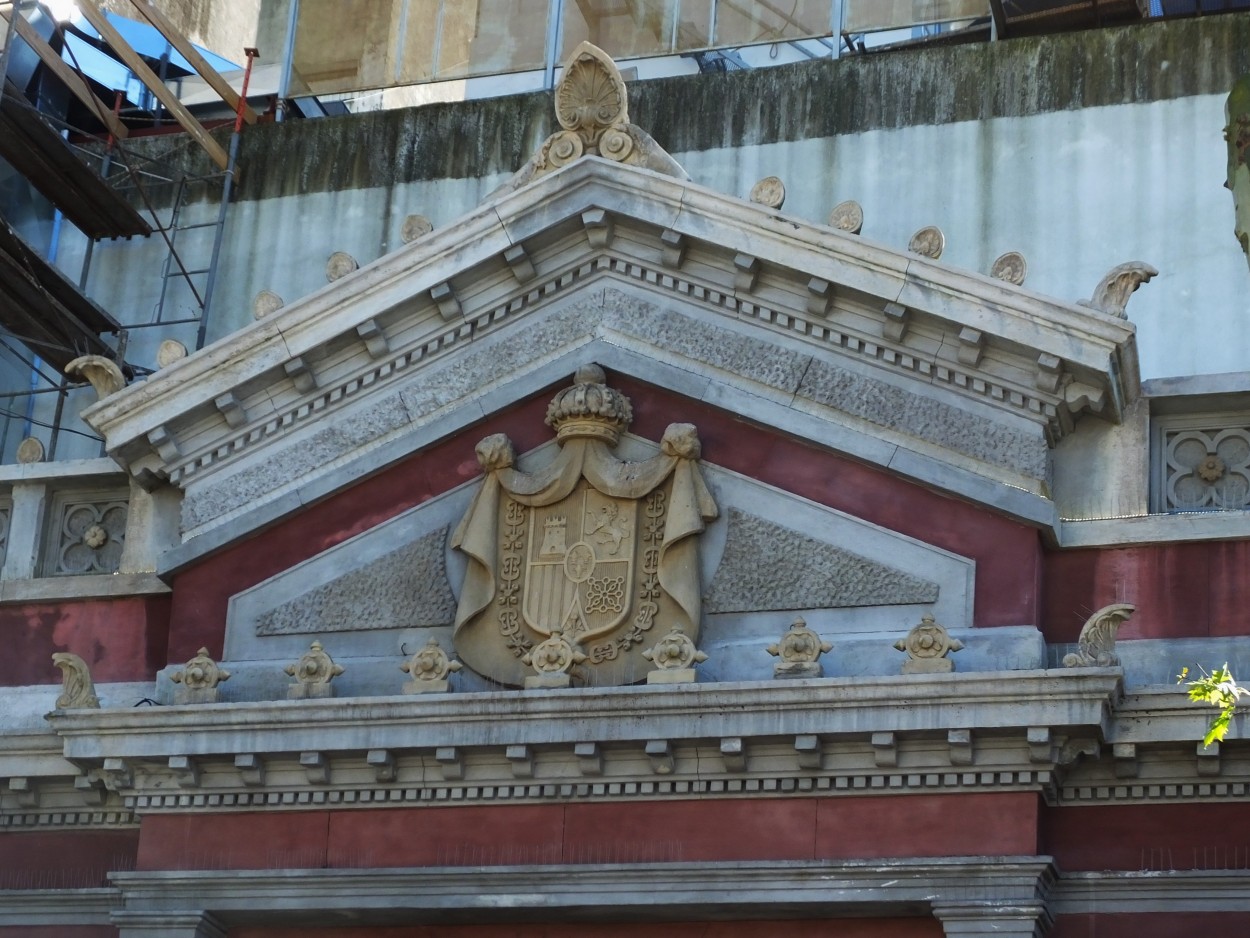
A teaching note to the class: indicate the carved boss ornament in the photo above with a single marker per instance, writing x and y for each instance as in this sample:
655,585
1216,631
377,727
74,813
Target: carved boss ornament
598,554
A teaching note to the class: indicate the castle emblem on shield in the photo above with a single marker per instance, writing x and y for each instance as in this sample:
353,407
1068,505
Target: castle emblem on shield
590,552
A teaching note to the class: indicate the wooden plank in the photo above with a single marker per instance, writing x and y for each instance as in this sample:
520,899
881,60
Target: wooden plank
1000,18
70,78
192,55
136,64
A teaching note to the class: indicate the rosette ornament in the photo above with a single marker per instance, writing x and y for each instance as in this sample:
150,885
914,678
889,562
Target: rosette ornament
92,537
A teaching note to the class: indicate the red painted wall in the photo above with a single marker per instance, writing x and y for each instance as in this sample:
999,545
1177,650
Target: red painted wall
120,639
842,928
1179,589
1148,836
1153,925
201,593
1008,554
623,832
69,859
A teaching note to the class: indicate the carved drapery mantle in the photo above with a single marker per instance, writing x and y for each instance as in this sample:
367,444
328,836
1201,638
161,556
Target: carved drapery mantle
535,540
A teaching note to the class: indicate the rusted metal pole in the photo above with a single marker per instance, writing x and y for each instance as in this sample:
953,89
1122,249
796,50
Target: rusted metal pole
231,173
107,162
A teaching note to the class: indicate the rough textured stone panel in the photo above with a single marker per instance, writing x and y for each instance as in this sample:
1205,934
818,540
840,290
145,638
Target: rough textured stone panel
931,420
405,588
767,567
705,342
432,390
343,435
478,369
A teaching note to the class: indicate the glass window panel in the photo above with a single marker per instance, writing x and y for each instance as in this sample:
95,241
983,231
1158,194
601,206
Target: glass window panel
621,28
742,22
694,22
343,45
417,48
863,16
483,37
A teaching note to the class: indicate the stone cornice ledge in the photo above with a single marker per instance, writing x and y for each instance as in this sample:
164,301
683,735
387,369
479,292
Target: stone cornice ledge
684,890
1155,529
92,586
1100,347
1111,892
31,908
1164,712
1083,698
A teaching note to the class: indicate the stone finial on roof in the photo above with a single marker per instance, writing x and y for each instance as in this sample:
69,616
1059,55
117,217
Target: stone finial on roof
674,657
1096,645
799,650
928,646
105,377
1112,293
199,680
592,108
77,689
430,669
313,673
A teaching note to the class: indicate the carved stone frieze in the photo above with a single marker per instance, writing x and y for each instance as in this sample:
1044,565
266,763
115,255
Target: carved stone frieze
770,567
589,552
1096,645
379,594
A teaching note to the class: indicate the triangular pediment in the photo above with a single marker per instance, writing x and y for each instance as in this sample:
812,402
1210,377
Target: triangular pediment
766,557
945,377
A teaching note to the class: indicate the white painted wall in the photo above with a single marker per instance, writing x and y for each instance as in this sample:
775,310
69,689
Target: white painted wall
1076,191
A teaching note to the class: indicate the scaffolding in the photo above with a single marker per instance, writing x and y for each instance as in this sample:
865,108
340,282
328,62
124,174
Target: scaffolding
117,193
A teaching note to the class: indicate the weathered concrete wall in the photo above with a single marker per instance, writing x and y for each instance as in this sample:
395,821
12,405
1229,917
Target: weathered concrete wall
1081,150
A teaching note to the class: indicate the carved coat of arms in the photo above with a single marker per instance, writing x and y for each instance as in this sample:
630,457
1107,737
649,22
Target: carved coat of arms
589,559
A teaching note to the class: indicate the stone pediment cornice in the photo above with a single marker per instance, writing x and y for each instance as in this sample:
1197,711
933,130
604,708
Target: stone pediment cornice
748,270
1071,735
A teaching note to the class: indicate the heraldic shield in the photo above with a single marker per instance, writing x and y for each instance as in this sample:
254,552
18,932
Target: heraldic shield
585,562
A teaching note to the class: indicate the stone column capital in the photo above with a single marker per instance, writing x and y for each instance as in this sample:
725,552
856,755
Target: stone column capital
183,924
1005,920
